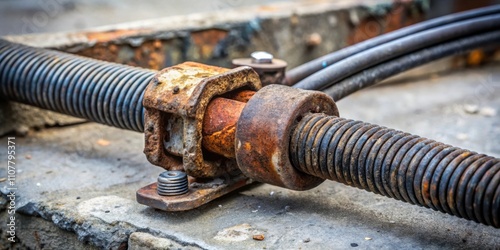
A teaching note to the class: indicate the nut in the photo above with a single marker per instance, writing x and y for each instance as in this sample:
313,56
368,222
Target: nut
264,129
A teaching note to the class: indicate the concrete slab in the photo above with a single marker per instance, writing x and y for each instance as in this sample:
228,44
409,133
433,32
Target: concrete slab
83,179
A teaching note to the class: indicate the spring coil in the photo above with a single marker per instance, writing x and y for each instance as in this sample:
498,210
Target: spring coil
103,92
399,165
171,183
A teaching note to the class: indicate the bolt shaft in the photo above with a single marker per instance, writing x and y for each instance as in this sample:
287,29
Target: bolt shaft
399,165
99,91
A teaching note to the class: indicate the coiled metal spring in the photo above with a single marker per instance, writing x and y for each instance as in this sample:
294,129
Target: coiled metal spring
172,183
103,92
399,165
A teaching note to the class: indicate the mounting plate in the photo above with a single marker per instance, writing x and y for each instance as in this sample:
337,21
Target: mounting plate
199,193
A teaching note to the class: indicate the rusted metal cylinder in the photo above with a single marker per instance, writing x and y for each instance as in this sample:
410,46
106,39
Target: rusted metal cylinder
219,126
399,165
264,129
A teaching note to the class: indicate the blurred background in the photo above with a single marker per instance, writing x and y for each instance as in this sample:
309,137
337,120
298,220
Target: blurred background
35,16
18,16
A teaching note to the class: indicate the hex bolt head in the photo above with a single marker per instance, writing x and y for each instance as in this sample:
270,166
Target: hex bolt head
261,57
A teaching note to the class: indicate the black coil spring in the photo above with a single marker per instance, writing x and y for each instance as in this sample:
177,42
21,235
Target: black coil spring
171,183
399,165
103,92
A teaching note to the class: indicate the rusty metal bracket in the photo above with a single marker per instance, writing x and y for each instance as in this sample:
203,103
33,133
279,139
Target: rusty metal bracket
175,102
198,194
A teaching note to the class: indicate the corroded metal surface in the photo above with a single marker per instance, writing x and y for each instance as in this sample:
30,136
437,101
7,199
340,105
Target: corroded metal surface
219,126
68,162
185,108
176,102
399,165
263,134
385,20
152,53
240,96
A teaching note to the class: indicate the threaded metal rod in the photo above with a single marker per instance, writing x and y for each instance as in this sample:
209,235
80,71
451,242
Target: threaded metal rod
103,92
399,165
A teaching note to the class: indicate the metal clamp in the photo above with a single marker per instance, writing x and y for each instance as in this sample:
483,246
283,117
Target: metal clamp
175,102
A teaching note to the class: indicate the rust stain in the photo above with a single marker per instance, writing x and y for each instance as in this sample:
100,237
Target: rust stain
400,16
264,130
184,91
221,113
463,5
206,40
150,54
425,190
108,36
240,96
476,57
259,237
219,126
153,53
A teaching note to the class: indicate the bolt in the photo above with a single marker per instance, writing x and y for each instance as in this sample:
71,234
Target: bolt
261,57
171,183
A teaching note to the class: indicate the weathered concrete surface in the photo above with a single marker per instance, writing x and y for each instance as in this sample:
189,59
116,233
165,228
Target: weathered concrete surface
20,118
41,16
38,233
83,179
146,241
